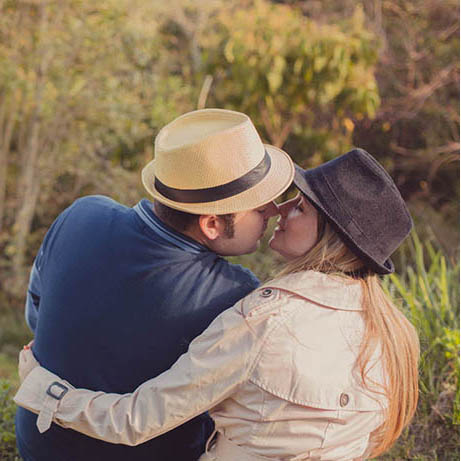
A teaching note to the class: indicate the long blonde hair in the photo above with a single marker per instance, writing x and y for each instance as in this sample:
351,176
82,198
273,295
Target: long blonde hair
385,327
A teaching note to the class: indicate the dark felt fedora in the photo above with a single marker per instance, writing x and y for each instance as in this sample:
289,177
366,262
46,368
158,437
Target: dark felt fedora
360,199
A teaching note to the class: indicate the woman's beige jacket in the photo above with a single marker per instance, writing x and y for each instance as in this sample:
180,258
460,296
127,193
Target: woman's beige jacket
276,372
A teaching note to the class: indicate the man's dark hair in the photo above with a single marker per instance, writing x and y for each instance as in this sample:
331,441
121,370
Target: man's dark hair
182,221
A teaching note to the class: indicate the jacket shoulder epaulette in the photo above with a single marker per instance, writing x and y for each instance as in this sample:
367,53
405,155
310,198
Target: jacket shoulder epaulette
259,301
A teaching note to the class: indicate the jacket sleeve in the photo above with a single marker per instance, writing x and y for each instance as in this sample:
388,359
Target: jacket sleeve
216,363
34,290
33,298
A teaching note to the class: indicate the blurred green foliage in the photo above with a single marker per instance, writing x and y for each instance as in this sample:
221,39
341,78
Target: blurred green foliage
8,450
429,292
293,76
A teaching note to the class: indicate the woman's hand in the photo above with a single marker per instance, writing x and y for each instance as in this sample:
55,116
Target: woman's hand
27,362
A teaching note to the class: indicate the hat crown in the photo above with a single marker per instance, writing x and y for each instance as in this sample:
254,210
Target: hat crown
191,150
366,191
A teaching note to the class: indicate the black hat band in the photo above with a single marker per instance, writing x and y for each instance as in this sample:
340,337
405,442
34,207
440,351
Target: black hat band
212,194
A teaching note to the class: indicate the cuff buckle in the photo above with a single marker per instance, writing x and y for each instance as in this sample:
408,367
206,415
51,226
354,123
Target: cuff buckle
57,396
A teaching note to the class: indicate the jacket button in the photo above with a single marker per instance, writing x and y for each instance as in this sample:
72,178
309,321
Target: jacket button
343,400
266,293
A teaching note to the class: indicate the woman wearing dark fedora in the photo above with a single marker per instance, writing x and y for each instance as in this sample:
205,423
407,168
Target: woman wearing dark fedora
317,364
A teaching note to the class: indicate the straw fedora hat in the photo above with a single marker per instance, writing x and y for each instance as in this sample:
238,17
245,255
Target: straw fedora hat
212,161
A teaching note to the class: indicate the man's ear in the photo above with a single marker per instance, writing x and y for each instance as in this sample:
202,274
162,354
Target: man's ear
211,226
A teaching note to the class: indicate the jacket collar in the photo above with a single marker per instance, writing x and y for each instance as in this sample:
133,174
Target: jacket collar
144,210
332,291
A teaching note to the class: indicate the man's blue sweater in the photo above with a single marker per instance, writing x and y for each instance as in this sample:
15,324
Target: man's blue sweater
115,297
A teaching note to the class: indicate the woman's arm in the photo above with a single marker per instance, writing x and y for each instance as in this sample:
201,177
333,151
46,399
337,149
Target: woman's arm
216,363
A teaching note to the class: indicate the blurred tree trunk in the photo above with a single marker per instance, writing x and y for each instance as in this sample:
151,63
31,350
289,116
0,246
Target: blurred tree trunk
30,176
31,182
8,117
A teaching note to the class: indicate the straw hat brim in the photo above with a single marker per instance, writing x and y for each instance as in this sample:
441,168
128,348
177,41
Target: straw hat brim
278,180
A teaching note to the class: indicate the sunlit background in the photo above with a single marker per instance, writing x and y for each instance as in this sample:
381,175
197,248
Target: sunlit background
85,86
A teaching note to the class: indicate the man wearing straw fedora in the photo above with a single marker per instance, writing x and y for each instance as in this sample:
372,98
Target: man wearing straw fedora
116,294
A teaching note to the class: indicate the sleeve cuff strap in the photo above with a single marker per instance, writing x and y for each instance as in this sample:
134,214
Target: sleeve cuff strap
41,392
